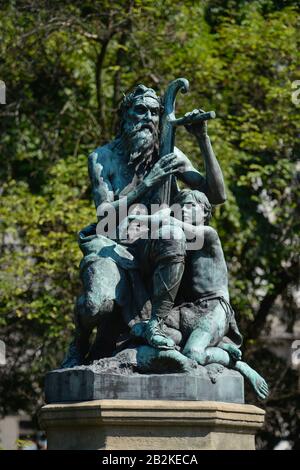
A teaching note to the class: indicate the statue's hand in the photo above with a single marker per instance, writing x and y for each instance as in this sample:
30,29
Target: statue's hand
167,165
198,129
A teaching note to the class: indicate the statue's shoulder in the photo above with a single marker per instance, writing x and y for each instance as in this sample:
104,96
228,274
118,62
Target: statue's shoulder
101,162
103,154
211,234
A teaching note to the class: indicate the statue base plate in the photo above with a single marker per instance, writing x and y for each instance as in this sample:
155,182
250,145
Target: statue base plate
85,383
150,425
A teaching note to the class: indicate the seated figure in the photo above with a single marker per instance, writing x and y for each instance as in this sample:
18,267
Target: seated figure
204,327
124,172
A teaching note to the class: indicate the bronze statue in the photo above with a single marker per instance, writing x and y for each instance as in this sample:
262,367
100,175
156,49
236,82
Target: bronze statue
152,289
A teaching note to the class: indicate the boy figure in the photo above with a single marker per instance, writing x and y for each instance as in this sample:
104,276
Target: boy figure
210,317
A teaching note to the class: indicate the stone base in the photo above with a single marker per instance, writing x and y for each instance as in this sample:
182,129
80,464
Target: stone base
86,383
150,425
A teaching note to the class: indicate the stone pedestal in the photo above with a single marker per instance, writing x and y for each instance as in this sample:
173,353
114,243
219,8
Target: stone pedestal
151,425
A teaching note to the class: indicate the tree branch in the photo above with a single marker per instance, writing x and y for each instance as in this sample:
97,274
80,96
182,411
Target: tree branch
284,278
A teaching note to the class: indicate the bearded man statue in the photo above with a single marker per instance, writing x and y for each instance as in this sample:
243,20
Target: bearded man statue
125,281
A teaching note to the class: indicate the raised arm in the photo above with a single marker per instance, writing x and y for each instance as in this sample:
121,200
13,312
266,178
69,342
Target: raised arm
213,183
214,177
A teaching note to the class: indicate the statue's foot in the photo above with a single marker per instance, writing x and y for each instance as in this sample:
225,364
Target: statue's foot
73,357
233,351
164,361
155,335
258,383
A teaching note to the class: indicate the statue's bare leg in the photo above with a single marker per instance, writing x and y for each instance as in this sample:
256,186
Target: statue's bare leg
196,345
168,253
102,285
210,330
258,383
220,356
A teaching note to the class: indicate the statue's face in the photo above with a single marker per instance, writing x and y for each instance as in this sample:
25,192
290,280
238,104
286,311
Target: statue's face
140,130
144,111
193,212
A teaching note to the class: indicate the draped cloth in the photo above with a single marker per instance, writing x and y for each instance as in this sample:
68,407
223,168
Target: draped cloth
233,333
186,316
96,247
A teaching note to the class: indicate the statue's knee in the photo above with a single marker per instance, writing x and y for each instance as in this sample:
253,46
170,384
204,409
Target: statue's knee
90,309
91,306
95,306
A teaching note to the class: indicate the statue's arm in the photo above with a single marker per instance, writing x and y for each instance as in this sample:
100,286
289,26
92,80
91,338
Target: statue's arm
213,183
189,174
189,229
216,192
102,190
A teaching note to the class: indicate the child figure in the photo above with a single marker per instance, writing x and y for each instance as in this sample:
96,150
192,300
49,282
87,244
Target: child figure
208,317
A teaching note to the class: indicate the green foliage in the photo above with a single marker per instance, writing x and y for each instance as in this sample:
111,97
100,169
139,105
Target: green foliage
66,65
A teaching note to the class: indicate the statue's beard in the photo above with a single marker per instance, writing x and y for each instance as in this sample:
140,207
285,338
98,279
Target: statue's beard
141,141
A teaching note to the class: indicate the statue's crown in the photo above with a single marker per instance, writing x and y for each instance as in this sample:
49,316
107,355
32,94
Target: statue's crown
140,91
143,91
